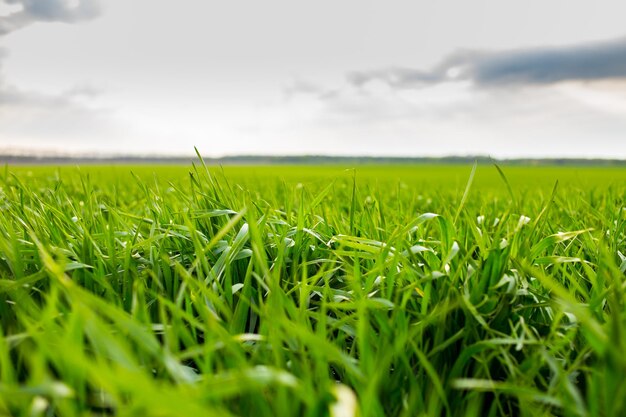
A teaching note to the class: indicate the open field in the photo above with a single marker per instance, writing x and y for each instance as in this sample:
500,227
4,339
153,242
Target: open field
312,291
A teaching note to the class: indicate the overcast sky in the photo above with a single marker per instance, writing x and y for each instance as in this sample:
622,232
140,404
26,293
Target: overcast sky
501,78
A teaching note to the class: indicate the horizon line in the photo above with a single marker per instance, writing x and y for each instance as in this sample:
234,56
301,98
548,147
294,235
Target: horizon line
297,159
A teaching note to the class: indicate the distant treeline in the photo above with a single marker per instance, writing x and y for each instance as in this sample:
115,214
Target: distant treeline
299,160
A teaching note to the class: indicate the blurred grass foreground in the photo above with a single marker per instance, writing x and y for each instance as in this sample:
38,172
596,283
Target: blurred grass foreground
313,291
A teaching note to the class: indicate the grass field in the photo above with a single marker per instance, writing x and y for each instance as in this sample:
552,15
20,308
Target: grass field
312,291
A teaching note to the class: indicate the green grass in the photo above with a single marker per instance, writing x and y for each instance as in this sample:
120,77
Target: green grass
295,291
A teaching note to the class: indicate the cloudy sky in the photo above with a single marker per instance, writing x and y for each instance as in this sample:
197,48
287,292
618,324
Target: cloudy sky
357,77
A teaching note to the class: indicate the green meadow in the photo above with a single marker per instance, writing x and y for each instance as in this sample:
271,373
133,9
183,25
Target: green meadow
400,290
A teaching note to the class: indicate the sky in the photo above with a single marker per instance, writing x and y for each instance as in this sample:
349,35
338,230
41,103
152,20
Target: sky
533,78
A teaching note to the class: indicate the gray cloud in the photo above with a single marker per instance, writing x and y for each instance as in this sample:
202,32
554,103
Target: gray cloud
25,114
396,77
537,66
86,91
33,118
47,11
302,87
3,54
299,86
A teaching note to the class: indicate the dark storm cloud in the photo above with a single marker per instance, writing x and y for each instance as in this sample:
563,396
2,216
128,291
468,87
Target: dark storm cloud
539,66
47,11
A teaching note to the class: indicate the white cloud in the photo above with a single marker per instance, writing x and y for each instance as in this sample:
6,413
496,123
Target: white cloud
271,78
